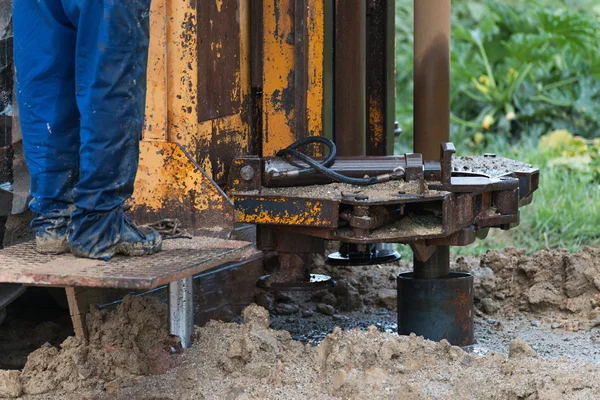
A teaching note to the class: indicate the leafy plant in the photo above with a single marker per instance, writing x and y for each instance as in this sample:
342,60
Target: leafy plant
525,85
526,70
518,68
573,153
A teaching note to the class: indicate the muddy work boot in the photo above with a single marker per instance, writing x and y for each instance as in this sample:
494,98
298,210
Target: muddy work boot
137,241
103,241
51,235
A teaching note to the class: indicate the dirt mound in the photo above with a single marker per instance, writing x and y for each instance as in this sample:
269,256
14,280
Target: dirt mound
553,283
250,360
122,345
231,361
361,286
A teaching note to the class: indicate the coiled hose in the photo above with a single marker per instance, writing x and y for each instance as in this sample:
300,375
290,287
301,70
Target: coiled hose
292,150
323,167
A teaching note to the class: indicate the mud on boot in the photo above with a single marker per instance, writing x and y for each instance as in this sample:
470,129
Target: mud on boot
52,235
137,241
52,245
129,240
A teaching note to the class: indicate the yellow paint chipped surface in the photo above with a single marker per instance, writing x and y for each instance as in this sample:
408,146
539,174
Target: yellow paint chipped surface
156,97
182,78
316,59
278,67
167,176
263,215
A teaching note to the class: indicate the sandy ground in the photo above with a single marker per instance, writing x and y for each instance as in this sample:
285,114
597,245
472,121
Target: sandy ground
536,331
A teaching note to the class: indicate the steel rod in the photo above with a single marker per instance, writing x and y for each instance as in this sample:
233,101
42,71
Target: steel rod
432,100
181,310
438,266
432,77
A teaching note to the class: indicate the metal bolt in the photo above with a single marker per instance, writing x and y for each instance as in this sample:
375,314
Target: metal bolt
247,173
355,196
397,130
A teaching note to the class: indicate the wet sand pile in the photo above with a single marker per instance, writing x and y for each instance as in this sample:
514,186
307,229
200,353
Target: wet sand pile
251,361
563,288
128,346
361,286
123,344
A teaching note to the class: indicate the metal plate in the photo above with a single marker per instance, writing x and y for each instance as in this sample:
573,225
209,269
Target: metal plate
280,210
180,258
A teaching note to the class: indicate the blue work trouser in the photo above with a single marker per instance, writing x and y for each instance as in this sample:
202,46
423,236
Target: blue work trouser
81,88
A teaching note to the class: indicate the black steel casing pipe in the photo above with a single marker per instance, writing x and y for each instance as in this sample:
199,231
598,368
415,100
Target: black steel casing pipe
437,308
432,302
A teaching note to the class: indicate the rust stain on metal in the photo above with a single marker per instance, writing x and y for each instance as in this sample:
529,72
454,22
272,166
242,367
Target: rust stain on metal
380,77
223,88
278,81
171,185
218,142
272,210
462,304
219,59
180,258
376,123
182,77
156,98
316,59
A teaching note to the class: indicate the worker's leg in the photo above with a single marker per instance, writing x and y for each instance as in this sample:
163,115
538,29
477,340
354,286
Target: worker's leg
112,55
44,44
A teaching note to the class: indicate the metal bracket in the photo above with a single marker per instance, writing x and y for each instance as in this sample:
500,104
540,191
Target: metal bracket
446,154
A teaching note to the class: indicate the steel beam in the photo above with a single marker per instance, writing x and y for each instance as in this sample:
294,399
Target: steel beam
381,83
181,310
350,77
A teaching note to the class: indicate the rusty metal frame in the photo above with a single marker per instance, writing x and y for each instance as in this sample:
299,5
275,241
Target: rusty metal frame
381,83
179,259
453,210
188,144
350,77
295,96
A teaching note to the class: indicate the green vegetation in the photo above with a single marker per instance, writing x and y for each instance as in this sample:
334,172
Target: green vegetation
525,85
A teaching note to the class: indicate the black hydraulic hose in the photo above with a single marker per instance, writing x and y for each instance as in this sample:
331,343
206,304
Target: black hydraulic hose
328,162
324,166
330,173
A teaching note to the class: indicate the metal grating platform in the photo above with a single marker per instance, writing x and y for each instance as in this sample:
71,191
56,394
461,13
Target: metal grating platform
179,259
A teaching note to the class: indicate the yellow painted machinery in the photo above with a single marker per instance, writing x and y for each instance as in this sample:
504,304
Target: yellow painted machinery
240,78
232,84
235,88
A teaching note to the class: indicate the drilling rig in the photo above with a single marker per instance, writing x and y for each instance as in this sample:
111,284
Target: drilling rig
270,127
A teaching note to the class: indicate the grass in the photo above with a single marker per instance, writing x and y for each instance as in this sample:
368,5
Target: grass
566,209
565,212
